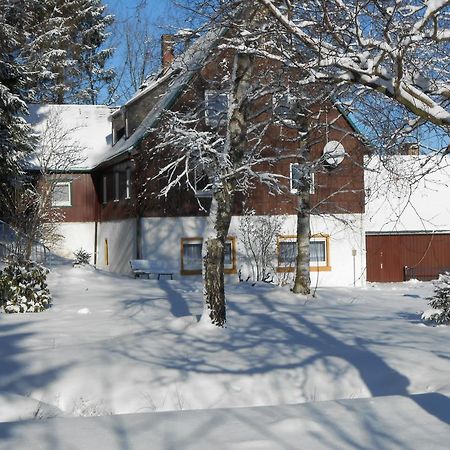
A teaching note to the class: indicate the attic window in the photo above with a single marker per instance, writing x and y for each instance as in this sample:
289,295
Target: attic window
216,108
284,106
202,186
298,177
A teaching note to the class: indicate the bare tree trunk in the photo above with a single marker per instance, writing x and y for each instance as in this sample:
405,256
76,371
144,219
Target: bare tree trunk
213,260
223,196
302,281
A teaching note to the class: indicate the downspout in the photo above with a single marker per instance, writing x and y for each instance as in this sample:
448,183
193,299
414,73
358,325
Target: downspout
97,220
138,237
95,242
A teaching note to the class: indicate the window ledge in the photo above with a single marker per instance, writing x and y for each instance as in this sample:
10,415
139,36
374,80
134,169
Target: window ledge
320,269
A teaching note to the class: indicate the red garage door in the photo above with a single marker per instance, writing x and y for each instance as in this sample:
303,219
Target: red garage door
425,254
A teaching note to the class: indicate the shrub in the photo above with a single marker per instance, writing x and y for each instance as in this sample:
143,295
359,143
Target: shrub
82,257
24,288
440,301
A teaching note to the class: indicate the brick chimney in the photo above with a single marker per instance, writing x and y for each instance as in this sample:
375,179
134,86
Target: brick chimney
167,50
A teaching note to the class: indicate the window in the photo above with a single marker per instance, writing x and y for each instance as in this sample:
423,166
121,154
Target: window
202,186
287,252
191,256
318,253
116,186
128,184
118,133
61,194
216,108
285,107
297,175
104,189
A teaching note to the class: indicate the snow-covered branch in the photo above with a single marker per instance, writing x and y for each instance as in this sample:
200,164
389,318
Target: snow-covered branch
397,48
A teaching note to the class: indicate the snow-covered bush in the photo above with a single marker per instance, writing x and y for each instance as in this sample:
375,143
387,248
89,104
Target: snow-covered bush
82,257
440,301
23,287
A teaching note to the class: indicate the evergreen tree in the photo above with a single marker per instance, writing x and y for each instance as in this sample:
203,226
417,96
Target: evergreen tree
65,51
440,301
15,141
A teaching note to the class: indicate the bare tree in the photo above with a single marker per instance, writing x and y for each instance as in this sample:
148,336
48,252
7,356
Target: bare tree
399,49
57,152
259,236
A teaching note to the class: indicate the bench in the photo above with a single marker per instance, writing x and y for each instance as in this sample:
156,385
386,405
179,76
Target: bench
141,267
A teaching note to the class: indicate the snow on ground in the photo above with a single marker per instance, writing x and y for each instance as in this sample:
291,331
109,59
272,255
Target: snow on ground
113,345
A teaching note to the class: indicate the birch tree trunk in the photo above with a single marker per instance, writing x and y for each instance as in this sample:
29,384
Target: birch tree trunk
213,259
302,281
223,194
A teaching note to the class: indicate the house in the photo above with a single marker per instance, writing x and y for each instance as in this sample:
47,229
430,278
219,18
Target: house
407,220
103,206
74,139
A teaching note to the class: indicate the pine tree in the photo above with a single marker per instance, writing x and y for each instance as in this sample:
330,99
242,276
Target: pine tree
65,51
440,301
15,134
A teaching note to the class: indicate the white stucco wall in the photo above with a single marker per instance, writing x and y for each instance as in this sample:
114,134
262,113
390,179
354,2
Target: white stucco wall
120,236
161,242
408,193
75,235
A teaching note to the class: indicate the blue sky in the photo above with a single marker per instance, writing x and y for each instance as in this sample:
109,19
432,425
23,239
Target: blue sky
161,15
159,11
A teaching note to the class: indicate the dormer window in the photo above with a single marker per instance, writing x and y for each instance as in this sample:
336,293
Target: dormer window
117,134
120,127
216,108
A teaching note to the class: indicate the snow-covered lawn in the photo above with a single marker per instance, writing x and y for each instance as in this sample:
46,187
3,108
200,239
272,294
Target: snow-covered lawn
112,345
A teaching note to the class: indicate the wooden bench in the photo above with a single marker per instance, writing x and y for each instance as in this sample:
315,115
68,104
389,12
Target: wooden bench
145,267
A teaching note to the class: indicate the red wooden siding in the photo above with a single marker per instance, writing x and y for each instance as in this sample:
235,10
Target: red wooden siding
387,255
83,196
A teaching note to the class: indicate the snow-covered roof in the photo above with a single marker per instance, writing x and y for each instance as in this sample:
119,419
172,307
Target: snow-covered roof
85,129
177,76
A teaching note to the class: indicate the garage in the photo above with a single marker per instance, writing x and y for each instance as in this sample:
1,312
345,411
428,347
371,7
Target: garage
401,256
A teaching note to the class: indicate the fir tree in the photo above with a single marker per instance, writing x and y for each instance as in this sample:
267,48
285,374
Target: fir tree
440,301
15,134
65,51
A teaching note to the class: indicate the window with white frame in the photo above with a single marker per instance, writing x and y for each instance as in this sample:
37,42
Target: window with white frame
216,108
191,256
287,252
298,176
61,193
318,253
